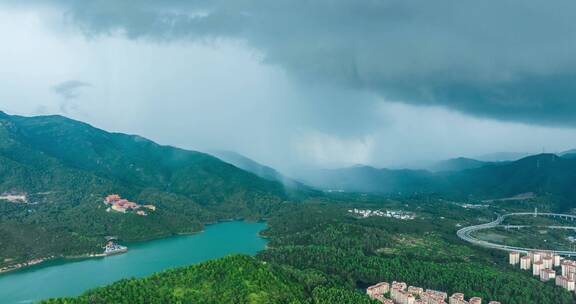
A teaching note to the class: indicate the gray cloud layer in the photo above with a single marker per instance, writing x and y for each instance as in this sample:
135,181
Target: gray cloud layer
504,59
69,91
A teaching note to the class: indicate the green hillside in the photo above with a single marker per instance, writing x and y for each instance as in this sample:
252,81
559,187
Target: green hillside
133,160
318,253
233,279
544,174
67,167
357,252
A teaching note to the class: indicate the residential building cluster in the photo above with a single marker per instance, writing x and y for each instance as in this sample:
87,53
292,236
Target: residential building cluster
24,264
401,293
14,197
397,214
473,206
119,204
545,264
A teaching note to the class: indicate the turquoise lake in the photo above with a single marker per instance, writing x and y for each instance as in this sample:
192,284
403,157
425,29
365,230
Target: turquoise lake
72,277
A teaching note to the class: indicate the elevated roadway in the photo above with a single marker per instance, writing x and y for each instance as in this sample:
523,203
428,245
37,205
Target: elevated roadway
466,233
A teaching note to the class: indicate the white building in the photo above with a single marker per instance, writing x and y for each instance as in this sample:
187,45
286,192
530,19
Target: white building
568,268
557,260
547,275
514,258
476,300
537,268
565,283
457,298
548,262
525,262
376,292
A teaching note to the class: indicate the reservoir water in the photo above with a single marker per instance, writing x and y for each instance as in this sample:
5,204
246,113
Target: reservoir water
72,277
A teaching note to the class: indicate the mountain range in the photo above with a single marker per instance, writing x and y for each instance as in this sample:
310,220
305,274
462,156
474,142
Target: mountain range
458,164
65,168
543,174
548,175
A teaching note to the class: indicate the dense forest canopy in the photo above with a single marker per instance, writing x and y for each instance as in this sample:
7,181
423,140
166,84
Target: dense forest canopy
66,168
323,255
318,252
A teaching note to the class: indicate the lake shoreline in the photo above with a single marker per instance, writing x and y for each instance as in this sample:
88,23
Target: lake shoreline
64,277
24,265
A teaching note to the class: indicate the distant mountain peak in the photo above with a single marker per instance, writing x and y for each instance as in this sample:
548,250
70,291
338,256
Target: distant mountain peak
502,156
457,164
569,154
541,156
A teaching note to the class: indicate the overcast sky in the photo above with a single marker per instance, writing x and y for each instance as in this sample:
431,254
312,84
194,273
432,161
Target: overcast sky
293,83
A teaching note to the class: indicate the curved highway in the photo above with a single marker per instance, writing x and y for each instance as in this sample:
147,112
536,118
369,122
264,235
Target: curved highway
466,233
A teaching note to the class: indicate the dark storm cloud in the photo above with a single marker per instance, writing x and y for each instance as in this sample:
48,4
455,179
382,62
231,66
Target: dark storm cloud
509,60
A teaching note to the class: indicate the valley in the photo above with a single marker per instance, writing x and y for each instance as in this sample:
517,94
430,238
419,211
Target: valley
287,152
83,187
326,255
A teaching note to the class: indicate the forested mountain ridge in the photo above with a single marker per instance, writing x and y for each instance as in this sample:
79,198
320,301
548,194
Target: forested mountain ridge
569,154
232,279
266,172
132,160
543,174
457,164
66,167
